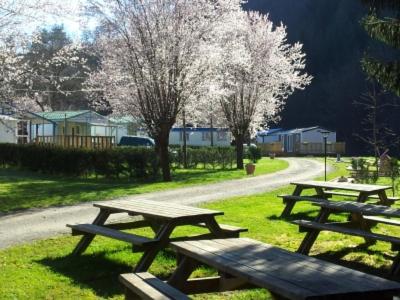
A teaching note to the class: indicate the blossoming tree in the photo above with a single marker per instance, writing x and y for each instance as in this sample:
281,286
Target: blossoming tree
16,74
154,59
258,71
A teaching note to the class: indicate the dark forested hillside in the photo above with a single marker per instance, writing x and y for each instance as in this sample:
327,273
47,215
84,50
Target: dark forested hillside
335,43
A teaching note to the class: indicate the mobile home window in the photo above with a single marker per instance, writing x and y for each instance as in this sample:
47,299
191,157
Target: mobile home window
181,136
206,136
222,136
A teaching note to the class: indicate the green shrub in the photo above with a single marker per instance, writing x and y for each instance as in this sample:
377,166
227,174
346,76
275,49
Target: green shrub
135,162
204,157
253,153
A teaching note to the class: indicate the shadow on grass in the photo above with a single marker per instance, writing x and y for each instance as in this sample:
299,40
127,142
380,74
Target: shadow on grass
304,215
96,271
93,271
22,190
336,258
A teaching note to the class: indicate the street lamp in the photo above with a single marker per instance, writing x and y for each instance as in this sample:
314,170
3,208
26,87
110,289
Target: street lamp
325,135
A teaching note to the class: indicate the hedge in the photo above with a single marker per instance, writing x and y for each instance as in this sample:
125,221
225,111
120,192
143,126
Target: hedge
205,157
135,162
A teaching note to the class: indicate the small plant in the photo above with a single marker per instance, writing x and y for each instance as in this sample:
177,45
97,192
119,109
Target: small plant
394,172
358,163
253,154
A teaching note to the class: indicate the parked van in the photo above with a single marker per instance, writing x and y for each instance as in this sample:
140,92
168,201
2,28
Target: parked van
136,141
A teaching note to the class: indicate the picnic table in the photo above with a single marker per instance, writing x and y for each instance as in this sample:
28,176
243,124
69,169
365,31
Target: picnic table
245,263
161,217
325,190
363,218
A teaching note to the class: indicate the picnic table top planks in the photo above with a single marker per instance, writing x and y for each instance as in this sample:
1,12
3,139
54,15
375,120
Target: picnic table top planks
362,208
342,186
285,273
155,209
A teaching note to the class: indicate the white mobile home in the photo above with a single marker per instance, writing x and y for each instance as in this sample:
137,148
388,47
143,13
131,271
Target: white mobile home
8,129
268,136
308,140
201,136
293,139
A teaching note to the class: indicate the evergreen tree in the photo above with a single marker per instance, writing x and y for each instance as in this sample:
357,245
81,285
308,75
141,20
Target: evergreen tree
383,24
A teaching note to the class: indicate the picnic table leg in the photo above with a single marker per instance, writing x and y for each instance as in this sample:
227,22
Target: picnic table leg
362,197
88,238
150,253
320,193
216,230
395,269
359,222
185,268
312,234
383,199
290,204
155,226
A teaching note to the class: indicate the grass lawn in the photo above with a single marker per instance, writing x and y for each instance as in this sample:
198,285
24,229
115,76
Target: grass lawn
21,190
44,270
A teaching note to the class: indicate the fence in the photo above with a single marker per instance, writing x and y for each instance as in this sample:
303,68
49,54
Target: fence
302,148
266,149
318,148
75,141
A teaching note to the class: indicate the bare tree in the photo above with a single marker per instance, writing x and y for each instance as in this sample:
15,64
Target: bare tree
376,134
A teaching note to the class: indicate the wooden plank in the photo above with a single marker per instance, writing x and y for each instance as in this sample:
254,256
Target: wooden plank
156,209
283,266
342,186
222,263
301,198
289,276
382,220
362,208
128,225
161,286
356,195
141,288
225,227
81,229
346,230
341,194
335,272
164,205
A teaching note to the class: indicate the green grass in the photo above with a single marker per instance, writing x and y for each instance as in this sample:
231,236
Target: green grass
44,270
22,190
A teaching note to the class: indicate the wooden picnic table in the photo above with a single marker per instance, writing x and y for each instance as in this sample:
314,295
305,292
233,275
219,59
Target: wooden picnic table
324,190
363,217
245,263
161,217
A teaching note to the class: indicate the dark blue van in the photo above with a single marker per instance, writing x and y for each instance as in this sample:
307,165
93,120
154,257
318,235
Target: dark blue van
136,141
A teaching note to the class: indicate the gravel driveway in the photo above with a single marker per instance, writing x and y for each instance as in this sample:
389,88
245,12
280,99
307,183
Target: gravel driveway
42,223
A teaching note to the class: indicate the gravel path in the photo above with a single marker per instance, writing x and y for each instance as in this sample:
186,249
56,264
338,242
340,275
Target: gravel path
42,223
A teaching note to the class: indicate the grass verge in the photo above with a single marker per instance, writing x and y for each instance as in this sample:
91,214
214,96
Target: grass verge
21,190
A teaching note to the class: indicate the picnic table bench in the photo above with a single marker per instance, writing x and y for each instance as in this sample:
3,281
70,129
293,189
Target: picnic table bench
148,287
245,263
161,217
363,217
325,190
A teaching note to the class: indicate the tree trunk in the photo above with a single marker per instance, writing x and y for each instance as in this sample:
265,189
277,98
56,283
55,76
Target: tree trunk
239,151
162,143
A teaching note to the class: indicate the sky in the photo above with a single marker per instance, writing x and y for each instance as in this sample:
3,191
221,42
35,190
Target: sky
73,22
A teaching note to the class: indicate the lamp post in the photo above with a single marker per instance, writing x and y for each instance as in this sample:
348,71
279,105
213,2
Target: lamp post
325,135
184,140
